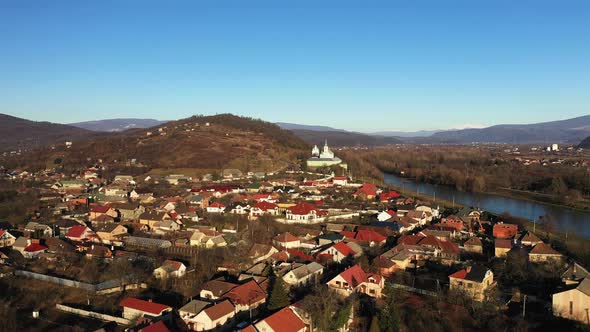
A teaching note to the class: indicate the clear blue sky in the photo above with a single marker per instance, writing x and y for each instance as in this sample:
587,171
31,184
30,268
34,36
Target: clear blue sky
363,65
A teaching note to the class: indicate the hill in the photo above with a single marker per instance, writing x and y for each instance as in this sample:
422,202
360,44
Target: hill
343,138
205,142
546,132
295,126
585,144
114,125
22,134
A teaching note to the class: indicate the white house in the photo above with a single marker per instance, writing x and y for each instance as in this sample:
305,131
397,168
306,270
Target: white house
216,207
214,316
170,269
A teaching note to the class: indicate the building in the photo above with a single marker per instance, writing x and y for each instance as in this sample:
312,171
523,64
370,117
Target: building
502,247
286,240
505,231
170,269
573,303
284,320
339,252
188,313
6,239
246,296
543,253
324,158
134,308
473,245
214,316
354,279
304,213
473,280
306,274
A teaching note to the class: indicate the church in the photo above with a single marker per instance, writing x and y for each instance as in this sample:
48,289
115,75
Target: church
323,158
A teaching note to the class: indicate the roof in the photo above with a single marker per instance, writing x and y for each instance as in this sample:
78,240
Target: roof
354,275
344,249
152,308
369,236
543,248
76,231
503,243
194,307
475,273
100,209
284,320
35,247
173,265
216,205
474,241
286,237
584,286
218,287
302,208
247,293
219,310
265,206
156,327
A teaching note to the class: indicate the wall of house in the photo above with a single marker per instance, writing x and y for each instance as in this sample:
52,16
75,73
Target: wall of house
580,305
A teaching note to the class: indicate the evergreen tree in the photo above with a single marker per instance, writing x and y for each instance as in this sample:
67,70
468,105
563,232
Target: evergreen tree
279,297
389,317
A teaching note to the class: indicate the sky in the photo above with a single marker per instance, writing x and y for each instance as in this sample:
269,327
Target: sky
358,65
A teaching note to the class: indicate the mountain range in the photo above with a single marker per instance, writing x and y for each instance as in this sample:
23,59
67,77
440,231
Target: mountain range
115,125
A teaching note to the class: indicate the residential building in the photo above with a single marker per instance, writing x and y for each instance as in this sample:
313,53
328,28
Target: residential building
354,279
473,280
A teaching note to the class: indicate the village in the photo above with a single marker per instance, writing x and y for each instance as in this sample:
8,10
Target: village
292,250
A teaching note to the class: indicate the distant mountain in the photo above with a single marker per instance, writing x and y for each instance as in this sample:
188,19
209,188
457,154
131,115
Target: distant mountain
419,133
228,141
570,130
343,138
114,125
24,134
294,126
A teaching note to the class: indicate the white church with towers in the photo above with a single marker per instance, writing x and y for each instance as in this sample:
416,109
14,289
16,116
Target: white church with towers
323,158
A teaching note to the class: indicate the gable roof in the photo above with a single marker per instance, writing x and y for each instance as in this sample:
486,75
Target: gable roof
152,308
156,327
100,209
218,287
286,237
76,231
355,275
284,320
219,310
475,273
246,294
35,247
543,248
369,236
344,249
302,208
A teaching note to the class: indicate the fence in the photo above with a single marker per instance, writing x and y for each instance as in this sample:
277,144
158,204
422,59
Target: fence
106,287
93,314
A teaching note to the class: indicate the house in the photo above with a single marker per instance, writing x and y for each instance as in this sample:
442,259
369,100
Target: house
99,210
150,218
215,289
188,313
354,279
207,238
214,316
386,267
284,320
134,308
170,269
239,208
473,245
60,247
36,230
216,207
246,296
129,211
505,231
389,196
286,240
473,281
158,326
366,192
6,239
369,237
530,240
97,251
339,252
386,215
502,247
573,303
264,207
543,253
305,213
165,226
109,232
33,250
574,274
81,233
20,244
261,252
306,274
340,180
329,238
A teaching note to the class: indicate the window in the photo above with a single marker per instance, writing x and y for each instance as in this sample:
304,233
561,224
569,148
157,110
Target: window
469,285
571,308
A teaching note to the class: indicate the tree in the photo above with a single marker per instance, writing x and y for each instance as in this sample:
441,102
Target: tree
279,298
389,316
558,186
375,325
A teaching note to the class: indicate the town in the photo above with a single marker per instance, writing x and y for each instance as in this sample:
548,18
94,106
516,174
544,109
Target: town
289,250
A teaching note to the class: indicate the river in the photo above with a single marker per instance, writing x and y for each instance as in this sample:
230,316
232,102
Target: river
567,220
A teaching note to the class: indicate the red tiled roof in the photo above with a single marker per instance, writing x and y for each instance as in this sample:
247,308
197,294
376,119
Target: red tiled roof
2,232
389,195
76,231
354,275
410,239
344,249
286,237
369,236
216,205
285,320
35,247
145,306
303,208
220,309
176,265
265,206
348,234
246,294
156,327
543,248
100,209
297,253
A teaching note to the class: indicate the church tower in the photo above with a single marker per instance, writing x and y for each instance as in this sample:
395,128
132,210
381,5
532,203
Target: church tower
315,152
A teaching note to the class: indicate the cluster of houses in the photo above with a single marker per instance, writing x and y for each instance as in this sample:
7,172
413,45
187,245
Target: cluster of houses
333,223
